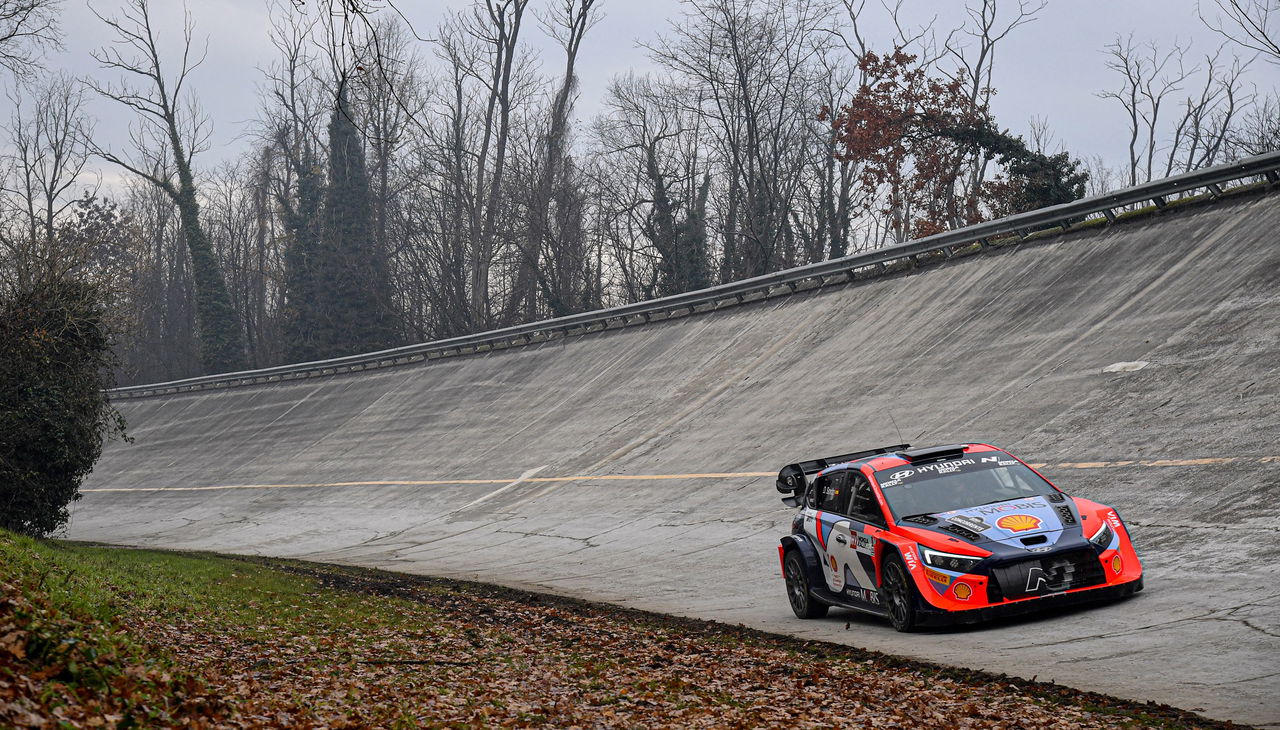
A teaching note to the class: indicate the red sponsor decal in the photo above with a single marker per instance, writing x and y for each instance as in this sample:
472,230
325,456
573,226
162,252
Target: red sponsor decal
1018,522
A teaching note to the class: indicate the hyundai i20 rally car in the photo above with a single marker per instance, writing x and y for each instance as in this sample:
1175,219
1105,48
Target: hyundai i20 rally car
958,533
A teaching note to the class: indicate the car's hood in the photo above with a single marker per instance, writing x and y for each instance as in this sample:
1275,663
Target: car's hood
1012,521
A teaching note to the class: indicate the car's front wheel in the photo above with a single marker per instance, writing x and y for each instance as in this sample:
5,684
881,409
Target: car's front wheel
802,603
898,593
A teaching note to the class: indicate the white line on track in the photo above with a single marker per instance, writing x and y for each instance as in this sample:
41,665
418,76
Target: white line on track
528,477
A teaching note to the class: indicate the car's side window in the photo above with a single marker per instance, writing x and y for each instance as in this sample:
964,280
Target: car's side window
865,507
835,496
813,495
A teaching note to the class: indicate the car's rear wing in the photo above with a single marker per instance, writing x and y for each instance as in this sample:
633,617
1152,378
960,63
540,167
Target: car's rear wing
794,478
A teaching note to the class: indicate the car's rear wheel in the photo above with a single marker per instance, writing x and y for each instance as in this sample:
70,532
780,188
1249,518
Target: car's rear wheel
899,593
802,603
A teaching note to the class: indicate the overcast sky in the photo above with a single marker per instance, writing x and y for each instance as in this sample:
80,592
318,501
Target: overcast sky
1052,67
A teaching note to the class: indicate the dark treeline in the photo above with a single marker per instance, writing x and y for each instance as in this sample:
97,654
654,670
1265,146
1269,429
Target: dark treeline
398,190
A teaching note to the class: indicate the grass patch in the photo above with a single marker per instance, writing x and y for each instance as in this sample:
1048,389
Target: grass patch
93,636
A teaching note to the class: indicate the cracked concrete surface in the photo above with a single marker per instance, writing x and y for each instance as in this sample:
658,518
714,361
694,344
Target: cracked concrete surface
1007,348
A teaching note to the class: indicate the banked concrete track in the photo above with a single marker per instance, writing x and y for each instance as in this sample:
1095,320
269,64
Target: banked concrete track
1008,347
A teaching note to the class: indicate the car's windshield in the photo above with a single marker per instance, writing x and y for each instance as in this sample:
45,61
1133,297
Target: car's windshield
982,478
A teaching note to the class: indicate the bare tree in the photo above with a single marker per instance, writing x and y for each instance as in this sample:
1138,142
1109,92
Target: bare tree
1199,136
653,181
556,251
988,24
27,29
1257,130
500,36
1040,136
171,130
161,343
480,49
1248,23
1148,76
748,68
47,163
237,216
824,224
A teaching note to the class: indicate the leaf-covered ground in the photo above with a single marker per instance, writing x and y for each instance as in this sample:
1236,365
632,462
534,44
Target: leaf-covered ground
103,637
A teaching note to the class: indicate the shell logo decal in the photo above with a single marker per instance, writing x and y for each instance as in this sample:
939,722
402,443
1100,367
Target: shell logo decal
1116,564
962,591
1018,523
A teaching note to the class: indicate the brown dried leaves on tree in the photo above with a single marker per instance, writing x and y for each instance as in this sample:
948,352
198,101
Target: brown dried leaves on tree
914,135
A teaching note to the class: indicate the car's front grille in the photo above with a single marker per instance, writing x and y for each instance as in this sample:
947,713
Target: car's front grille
1039,576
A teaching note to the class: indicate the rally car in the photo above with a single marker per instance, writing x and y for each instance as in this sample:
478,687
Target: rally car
958,533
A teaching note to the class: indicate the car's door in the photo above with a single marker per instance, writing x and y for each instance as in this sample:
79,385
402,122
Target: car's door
864,520
827,501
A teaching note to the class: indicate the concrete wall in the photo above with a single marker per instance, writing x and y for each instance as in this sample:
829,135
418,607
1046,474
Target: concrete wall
1007,347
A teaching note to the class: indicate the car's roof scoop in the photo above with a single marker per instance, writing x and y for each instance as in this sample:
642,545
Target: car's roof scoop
935,453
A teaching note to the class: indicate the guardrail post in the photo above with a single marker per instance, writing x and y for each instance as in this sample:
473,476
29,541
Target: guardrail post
1159,201
1215,190
1272,176
1110,214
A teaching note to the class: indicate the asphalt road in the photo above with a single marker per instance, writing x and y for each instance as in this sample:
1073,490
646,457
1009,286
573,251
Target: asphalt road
459,467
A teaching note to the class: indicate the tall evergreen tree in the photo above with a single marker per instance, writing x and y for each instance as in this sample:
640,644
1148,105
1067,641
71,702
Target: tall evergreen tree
350,274
301,323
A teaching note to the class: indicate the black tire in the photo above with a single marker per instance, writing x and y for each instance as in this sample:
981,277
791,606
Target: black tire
898,593
802,602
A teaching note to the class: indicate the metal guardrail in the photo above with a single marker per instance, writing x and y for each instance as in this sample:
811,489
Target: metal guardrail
1021,225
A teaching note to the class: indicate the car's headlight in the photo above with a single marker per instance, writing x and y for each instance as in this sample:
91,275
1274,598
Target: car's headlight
949,561
1102,538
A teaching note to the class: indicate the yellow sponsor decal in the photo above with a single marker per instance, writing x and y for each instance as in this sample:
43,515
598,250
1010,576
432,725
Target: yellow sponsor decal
937,577
1018,523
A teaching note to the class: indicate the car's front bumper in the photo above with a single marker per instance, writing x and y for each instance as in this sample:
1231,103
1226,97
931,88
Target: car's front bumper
1109,592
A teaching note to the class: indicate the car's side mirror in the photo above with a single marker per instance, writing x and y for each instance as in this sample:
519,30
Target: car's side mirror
791,501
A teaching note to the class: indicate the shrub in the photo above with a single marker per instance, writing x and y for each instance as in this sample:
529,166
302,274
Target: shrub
55,365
